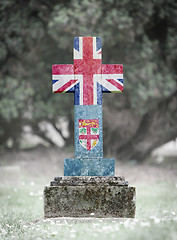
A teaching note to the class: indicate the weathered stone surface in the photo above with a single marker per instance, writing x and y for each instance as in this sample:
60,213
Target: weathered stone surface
88,78
86,196
83,196
87,112
89,167
88,180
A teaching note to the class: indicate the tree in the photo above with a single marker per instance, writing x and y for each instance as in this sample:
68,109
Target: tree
140,35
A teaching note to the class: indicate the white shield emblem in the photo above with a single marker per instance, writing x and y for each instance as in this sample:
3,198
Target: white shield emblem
88,133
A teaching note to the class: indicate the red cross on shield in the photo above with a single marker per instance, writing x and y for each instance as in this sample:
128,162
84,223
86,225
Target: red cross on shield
88,133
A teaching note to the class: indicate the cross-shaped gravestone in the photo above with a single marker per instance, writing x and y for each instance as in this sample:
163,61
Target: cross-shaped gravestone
87,78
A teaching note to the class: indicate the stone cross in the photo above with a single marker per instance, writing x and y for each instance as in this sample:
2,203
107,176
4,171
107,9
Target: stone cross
88,78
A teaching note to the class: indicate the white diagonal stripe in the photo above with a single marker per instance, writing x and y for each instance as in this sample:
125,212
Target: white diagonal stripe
67,89
113,76
62,80
103,81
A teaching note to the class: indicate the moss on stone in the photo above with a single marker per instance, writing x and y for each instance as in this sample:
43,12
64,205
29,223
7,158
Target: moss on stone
104,200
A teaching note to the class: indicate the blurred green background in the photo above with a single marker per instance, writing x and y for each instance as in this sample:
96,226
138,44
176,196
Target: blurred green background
141,35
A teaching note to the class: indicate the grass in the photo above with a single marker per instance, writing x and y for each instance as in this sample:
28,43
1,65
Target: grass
21,206
21,216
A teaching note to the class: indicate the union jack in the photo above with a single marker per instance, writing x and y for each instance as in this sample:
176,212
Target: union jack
87,77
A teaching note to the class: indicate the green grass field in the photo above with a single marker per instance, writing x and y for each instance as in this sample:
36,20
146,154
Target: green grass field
21,212
21,216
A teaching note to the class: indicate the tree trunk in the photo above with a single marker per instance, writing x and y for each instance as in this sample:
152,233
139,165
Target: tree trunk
156,127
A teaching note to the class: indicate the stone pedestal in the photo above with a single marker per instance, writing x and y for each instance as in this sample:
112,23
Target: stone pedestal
89,197
89,167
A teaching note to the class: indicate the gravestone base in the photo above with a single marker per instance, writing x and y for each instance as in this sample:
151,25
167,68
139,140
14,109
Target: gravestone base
99,197
89,167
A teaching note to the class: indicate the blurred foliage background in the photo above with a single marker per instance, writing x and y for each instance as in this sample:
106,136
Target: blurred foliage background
141,35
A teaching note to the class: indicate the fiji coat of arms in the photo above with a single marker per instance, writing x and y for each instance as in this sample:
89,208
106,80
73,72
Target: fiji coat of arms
88,133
